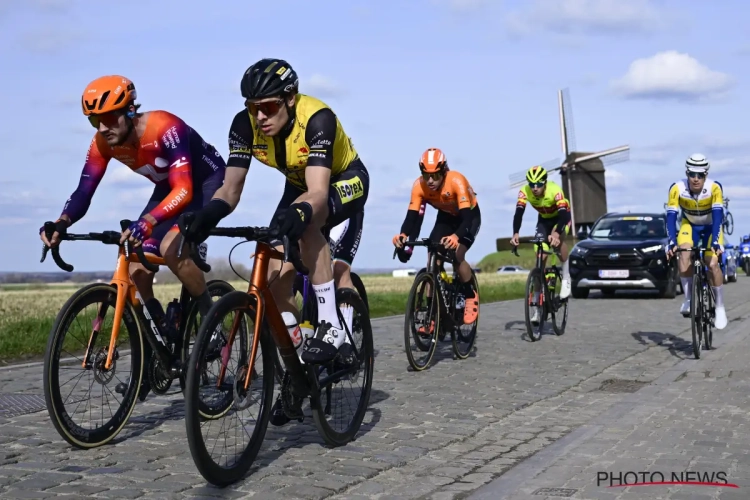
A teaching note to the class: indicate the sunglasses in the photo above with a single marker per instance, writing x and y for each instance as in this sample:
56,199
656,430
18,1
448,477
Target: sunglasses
699,175
268,108
434,175
108,119
536,184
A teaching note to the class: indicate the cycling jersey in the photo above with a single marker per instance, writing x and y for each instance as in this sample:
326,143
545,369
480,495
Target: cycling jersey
455,194
553,208
549,204
705,209
170,154
313,137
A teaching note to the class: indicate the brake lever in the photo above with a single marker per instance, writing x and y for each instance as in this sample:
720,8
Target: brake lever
49,230
292,254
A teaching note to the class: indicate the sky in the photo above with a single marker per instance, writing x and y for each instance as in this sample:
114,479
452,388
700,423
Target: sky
476,78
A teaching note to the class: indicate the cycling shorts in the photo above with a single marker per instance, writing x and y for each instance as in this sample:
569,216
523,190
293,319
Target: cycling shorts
201,197
544,227
347,196
447,224
344,238
697,236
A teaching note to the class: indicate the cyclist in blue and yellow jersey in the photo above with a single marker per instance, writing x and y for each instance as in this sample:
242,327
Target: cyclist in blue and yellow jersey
702,203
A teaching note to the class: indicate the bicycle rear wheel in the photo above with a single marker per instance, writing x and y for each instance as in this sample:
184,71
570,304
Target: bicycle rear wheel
708,307
422,321
558,306
235,422
360,287
535,303
336,424
92,307
729,224
464,336
697,315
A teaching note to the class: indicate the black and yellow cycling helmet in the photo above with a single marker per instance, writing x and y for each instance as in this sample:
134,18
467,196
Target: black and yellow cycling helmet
536,174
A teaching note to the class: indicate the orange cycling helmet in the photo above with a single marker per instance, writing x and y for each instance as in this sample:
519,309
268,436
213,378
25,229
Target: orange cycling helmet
433,160
106,94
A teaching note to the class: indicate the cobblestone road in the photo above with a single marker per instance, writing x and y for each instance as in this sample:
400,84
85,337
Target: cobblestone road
444,433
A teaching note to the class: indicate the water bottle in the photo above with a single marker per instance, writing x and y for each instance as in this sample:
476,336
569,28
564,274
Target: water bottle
297,332
172,319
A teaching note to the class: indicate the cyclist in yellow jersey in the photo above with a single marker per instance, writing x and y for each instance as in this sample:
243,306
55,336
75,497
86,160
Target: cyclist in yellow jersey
702,203
326,184
554,219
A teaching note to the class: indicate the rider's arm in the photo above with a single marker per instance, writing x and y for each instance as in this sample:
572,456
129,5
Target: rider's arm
465,201
520,209
673,208
320,134
717,211
180,172
414,215
227,197
563,212
97,159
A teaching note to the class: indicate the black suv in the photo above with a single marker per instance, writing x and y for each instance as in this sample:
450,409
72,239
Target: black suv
624,251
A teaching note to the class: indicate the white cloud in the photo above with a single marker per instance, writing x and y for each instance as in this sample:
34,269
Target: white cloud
320,86
671,75
586,17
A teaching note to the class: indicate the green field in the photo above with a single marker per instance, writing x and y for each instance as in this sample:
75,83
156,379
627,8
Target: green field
28,311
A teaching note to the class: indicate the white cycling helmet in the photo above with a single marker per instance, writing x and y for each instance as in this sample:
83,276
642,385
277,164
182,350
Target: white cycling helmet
697,163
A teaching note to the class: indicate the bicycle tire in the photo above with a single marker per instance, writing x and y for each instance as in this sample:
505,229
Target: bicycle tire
563,304
729,229
216,288
367,360
463,354
535,275
61,420
360,287
708,332
696,316
429,346
208,468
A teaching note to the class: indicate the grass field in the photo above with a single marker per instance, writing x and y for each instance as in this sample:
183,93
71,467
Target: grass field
28,311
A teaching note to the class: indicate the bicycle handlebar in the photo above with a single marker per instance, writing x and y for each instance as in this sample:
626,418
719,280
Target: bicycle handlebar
106,237
431,246
535,240
250,233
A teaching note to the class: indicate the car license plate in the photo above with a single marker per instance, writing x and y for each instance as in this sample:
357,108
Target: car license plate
613,274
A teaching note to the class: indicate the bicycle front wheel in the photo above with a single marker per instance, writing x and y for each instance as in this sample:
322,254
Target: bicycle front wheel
697,315
559,307
422,321
340,407
219,459
729,225
69,387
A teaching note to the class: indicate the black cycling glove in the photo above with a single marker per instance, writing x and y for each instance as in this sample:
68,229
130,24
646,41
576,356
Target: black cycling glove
196,225
295,220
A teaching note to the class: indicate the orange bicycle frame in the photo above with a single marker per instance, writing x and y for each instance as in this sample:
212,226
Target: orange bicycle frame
126,289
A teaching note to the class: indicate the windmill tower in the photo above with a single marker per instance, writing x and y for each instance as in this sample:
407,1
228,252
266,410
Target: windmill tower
582,172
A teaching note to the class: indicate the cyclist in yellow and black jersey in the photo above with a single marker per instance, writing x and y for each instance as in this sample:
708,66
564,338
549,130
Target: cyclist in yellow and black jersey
326,184
554,218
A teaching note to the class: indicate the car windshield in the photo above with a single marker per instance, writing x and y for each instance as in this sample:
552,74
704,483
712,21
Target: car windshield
629,227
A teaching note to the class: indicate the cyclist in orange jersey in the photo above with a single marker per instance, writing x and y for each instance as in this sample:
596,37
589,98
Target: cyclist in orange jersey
186,172
458,218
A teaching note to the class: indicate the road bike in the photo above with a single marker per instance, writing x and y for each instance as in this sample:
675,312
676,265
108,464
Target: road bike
122,352
728,221
428,321
254,319
543,292
702,303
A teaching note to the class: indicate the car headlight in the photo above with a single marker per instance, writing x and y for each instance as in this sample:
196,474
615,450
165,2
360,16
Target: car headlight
580,251
652,249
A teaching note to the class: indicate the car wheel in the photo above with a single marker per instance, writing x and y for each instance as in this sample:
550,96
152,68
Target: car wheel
670,290
579,293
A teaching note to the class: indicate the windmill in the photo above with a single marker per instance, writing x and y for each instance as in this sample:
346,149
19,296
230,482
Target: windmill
582,172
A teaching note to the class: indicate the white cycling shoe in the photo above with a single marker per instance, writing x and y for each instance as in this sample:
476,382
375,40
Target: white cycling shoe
720,322
565,289
685,309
